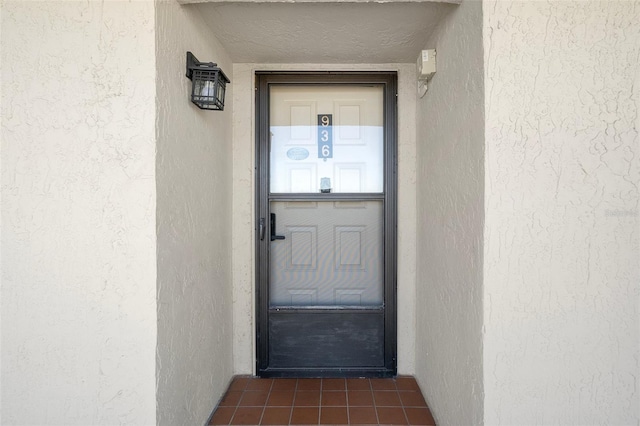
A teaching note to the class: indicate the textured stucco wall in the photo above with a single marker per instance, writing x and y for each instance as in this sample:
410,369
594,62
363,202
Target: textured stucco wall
450,176
243,208
561,243
78,213
194,170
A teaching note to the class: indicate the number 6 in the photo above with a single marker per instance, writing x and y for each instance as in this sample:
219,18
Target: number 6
325,150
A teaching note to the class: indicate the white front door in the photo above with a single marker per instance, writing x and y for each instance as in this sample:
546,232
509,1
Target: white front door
332,251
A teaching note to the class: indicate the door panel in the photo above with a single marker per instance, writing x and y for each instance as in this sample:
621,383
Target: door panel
339,339
331,254
326,224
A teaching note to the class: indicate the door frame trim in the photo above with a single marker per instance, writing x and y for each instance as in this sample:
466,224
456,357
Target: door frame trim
389,80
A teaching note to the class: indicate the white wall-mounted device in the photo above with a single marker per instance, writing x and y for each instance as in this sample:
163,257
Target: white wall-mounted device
426,64
426,69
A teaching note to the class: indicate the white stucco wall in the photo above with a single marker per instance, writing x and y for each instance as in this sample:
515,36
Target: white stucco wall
78,213
244,208
561,243
450,222
194,172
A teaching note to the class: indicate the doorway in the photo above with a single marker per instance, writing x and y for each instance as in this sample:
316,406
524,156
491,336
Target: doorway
326,224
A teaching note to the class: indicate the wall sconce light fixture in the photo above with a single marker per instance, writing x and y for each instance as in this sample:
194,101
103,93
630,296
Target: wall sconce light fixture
208,83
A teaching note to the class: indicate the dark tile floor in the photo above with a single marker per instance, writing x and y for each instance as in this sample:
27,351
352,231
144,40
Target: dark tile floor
254,401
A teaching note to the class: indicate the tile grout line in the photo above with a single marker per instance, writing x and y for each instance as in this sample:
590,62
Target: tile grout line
320,403
406,419
402,405
235,410
375,407
293,401
244,390
346,396
264,408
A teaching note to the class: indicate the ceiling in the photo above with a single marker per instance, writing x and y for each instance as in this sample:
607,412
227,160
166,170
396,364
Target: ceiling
323,32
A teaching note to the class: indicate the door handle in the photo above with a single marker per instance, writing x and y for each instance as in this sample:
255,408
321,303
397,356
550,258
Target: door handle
261,228
273,228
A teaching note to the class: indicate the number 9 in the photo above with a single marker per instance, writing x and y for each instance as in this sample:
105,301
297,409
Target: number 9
325,120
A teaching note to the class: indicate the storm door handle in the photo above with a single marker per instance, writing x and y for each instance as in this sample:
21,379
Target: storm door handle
262,228
273,229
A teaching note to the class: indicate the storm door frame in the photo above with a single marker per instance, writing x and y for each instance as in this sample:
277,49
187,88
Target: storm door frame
389,81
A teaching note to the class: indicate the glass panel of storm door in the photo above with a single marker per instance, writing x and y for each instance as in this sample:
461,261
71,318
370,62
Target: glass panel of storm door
331,254
326,139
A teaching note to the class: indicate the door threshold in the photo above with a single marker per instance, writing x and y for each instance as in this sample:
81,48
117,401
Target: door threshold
369,373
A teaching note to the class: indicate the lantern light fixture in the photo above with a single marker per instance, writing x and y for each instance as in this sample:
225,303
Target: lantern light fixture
208,83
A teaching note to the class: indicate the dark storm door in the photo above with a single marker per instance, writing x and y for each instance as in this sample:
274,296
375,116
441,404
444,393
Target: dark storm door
326,224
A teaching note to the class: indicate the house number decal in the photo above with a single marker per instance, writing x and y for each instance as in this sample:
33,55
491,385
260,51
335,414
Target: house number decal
325,136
